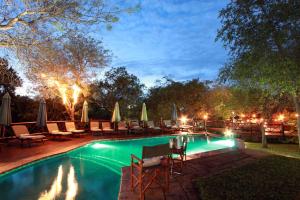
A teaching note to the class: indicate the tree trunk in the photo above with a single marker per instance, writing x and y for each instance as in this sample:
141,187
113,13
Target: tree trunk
297,104
263,136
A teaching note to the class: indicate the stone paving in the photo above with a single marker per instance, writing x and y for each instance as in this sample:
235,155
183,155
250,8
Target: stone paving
183,186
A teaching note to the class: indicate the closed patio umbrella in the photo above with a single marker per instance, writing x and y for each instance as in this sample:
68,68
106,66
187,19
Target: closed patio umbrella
85,112
42,114
5,112
144,116
116,114
174,115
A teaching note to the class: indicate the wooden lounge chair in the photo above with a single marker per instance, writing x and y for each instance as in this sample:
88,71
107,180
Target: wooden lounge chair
70,126
122,126
150,124
95,128
106,127
21,132
153,166
135,127
56,133
167,123
152,127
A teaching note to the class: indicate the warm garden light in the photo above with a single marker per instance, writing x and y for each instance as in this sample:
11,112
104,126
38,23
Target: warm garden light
242,115
183,119
281,117
254,116
228,133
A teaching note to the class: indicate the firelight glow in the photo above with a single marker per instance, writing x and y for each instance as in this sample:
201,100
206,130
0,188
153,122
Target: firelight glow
183,119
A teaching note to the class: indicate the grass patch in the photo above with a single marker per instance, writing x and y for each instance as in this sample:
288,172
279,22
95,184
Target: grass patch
289,150
273,177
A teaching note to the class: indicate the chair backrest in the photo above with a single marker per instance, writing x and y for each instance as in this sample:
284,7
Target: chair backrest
134,123
19,129
52,127
167,122
122,124
94,125
150,123
157,150
70,126
106,125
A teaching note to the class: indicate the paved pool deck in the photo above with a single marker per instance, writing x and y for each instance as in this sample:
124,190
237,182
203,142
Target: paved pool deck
183,186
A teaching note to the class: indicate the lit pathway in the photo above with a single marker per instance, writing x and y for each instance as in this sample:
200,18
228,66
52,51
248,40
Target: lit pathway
183,187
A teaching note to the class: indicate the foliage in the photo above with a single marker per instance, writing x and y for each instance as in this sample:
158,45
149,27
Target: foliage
189,97
118,85
56,68
259,180
9,78
23,22
262,38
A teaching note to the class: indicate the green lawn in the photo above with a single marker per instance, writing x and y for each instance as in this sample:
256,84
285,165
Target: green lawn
273,177
289,150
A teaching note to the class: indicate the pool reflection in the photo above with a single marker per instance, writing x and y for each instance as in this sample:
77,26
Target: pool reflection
56,187
55,190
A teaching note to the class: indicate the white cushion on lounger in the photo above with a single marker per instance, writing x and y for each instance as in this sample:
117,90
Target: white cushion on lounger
77,131
61,133
149,162
137,127
28,136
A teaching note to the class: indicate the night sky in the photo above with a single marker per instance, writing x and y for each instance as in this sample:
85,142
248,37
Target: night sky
168,38
173,38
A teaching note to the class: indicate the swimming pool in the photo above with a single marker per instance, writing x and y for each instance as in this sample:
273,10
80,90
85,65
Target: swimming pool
89,172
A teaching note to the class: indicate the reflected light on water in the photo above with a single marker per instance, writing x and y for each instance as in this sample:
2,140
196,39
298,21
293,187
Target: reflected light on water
56,187
227,143
100,146
72,185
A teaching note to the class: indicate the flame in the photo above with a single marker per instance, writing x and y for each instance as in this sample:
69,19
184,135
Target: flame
205,117
76,92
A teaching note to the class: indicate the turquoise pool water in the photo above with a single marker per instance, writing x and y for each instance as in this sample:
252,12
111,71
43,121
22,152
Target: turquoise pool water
89,172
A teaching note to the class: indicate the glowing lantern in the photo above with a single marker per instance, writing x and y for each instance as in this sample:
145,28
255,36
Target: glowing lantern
228,133
281,117
183,119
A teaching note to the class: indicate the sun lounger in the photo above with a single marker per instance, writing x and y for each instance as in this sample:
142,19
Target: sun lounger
94,128
135,127
122,126
70,126
21,132
55,132
106,127
150,124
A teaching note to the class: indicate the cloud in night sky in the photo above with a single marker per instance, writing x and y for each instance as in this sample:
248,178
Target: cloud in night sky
168,38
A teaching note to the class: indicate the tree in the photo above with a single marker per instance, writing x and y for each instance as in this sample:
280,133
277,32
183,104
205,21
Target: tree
263,39
118,85
64,69
189,97
22,22
9,79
